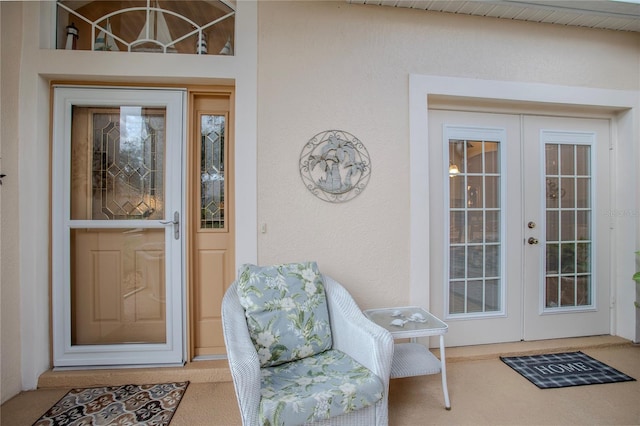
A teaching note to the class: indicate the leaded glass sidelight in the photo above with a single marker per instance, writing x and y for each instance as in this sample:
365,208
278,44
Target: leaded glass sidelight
118,174
212,168
474,227
568,274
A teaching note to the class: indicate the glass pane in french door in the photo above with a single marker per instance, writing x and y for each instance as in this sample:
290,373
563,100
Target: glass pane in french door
117,280
475,244
568,210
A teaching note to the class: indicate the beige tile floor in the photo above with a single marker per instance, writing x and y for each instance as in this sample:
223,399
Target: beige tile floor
483,391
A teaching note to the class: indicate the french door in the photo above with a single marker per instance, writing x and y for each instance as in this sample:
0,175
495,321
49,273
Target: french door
523,253
117,279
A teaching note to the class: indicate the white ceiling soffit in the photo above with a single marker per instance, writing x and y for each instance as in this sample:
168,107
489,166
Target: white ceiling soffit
619,15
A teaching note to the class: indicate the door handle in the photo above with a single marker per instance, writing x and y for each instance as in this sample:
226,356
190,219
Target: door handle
532,241
176,224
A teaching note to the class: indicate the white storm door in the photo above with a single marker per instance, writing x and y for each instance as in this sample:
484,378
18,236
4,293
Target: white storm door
475,225
567,237
117,279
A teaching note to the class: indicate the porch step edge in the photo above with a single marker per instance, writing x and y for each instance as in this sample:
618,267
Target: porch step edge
483,352
210,371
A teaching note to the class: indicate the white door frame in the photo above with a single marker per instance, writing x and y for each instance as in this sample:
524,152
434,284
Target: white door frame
625,143
173,350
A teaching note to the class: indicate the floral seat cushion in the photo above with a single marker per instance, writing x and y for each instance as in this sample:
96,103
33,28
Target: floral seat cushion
316,388
286,311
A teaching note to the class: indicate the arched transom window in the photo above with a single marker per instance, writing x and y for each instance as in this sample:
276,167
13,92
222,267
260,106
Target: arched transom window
195,27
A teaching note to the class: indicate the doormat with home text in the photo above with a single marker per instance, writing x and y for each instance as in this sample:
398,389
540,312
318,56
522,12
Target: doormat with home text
564,369
116,405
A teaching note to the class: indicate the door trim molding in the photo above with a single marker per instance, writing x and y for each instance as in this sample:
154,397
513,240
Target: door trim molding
622,104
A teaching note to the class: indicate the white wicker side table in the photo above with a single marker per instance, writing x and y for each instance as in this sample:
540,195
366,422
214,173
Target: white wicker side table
413,359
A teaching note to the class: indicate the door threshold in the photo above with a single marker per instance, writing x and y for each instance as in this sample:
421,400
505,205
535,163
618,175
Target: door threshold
211,371
112,367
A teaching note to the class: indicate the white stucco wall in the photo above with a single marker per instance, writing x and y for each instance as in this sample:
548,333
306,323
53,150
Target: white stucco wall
333,65
300,68
10,47
26,309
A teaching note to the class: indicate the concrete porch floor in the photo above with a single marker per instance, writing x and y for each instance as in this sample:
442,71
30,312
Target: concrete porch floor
483,390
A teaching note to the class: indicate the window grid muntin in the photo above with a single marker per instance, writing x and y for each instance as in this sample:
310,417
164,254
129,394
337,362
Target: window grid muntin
557,278
466,283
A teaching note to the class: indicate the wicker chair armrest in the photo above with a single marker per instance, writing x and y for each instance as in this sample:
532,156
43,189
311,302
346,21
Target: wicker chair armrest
242,356
357,336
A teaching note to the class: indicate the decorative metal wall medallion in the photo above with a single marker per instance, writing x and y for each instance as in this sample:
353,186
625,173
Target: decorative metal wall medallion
335,166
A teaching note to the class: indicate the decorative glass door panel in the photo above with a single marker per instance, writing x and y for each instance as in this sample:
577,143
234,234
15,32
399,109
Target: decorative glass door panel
117,163
121,168
212,168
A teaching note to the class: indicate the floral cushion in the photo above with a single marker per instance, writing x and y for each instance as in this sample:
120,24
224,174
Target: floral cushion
315,388
286,311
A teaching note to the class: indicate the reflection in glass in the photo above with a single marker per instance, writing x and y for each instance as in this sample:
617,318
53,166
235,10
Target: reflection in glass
551,292
492,296
475,227
567,193
492,192
492,226
551,159
553,258
553,225
457,228
119,174
568,291
492,261
568,226
475,296
567,159
583,193
457,193
475,261
475,156
554,192
583,160
583,224
492,157
457,261
457,154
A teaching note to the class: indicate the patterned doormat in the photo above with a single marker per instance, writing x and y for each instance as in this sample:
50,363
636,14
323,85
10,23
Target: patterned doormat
564,369
116,405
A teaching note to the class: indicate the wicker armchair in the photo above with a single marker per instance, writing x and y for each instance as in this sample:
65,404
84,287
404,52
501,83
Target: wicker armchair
352,333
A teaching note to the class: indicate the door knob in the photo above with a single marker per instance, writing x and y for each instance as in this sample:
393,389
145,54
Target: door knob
532,240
